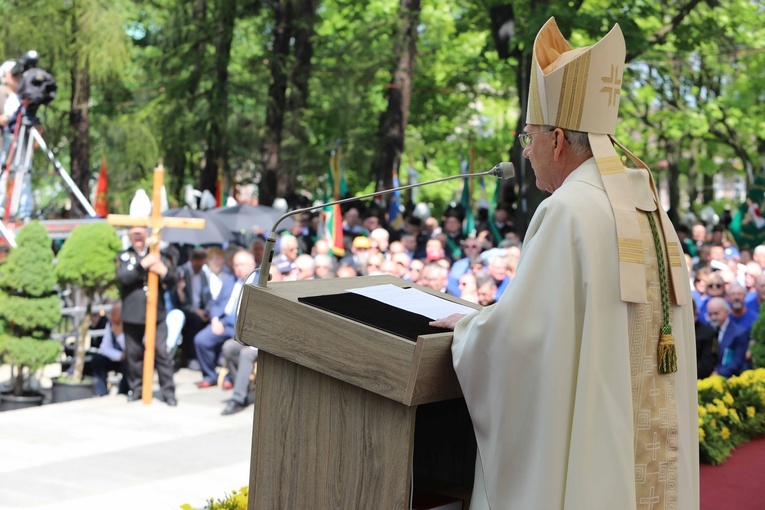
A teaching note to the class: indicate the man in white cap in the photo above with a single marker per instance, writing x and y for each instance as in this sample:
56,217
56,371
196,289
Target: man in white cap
584,397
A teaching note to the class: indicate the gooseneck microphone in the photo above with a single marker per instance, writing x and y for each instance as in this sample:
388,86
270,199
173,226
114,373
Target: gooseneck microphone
501,171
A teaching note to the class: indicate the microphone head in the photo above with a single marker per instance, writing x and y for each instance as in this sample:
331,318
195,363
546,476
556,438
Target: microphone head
504,170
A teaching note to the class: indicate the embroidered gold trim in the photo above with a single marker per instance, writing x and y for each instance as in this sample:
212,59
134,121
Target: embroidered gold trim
536,114
571,101
673,252
610,165
631,250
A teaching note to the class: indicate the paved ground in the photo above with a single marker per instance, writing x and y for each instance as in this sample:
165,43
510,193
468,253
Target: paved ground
105,453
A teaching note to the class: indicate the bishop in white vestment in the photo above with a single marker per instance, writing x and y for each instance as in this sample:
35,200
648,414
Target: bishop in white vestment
581,380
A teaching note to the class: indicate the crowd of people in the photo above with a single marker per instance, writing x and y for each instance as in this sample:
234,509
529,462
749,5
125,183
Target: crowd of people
202,285
201,293
728,286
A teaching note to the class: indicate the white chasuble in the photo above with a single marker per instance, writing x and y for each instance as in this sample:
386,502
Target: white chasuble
560,375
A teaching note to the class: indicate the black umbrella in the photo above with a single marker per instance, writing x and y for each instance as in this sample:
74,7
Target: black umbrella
246,218
214,231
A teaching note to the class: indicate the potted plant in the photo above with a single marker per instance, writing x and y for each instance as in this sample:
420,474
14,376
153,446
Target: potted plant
86,262
29,310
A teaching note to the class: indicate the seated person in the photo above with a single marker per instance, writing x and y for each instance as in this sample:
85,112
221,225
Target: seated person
209,341
240,360
191,296
732,339
111,354
707,346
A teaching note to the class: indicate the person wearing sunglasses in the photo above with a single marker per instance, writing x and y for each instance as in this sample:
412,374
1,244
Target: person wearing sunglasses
715,287
581,379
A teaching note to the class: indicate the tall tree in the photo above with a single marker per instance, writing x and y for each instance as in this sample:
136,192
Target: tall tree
304,31
393,122
79,110
185,42
217,149
278,65
289,65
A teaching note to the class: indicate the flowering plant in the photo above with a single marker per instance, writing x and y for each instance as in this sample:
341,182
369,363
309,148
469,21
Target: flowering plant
731,412
236,501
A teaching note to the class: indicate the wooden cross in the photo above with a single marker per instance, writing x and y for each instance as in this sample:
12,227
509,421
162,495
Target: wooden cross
156,223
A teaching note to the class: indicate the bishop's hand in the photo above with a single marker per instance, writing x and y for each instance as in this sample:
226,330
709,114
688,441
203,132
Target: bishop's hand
447,322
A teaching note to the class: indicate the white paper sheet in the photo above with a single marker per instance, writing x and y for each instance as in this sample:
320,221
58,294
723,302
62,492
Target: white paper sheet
413,300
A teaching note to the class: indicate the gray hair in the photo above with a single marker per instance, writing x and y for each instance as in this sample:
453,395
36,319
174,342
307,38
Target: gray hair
736,286
719,301
578,140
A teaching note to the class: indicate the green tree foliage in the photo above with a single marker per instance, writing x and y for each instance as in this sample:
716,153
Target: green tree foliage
87,258
29,306
758,348
689,99
25,272
87,262
162,71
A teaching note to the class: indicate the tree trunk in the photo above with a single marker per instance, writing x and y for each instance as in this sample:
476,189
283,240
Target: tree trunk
392,130
275,108
18,385
693,185
503,23
79,120
674,151
708,192
177,162
217,148
79,353
529,195
303,31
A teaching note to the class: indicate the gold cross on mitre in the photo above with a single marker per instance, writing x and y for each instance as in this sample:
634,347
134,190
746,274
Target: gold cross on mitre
156,223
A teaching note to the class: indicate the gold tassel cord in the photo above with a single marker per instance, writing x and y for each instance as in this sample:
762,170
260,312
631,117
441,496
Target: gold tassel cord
667,351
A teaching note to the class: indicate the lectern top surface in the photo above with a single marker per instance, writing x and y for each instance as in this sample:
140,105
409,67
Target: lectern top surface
374,313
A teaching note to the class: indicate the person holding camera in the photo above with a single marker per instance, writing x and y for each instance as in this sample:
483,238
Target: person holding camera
28,88
11,100
10,104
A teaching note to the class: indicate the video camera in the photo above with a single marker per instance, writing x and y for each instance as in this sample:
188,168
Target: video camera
36,87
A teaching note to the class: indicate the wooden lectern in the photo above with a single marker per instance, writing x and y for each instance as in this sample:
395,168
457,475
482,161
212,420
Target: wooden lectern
347,415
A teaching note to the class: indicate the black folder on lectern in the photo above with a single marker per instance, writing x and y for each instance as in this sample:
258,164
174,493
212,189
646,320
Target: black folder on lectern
374,313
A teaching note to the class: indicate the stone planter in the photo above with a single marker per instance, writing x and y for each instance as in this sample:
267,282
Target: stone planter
66,391
9,401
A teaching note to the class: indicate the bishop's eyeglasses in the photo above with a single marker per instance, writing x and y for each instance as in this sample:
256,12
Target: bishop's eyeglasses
525,138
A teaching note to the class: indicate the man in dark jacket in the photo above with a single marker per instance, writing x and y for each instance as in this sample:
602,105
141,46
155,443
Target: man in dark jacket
707,346
133,268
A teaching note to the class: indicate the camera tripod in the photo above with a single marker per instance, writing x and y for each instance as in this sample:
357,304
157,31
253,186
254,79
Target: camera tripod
19,164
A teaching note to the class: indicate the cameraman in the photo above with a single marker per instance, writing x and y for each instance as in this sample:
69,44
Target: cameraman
35,87
10,103
11,83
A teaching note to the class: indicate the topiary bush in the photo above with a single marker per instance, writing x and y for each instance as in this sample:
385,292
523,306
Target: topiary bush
29,306
87,261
